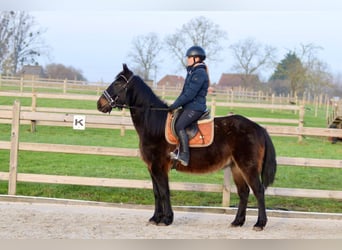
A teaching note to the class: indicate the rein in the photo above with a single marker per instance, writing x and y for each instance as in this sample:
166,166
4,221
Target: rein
135,107
112,102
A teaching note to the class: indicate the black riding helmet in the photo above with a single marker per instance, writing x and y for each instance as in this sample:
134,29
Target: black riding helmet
195,51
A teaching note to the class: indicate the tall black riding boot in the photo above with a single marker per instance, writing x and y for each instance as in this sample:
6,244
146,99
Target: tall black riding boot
184,153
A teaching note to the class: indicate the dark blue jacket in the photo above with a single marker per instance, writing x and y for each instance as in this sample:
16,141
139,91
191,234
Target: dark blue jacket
195,89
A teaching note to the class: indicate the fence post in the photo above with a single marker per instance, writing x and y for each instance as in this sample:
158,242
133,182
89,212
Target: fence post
296,101
316,100
301,122
272,102
12,179
226,187
213,106
33,108
320,100
122,130
33,83
21,84
327,108
98,90
163,92
65,86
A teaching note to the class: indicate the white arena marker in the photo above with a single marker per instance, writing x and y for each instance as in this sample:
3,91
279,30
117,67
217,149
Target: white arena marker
79,122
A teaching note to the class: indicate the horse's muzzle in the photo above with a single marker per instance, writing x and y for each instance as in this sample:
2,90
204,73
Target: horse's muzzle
103,105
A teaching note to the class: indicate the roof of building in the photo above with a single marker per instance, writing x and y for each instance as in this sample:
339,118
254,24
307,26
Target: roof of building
32,70
171,81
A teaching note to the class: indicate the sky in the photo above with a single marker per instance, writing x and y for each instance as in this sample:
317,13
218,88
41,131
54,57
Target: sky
97,38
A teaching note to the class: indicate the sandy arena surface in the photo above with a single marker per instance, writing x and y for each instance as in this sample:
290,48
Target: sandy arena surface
26,220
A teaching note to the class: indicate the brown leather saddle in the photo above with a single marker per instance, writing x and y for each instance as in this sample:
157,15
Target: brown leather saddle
200,133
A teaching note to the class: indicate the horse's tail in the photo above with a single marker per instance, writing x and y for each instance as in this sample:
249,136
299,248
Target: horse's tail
269,166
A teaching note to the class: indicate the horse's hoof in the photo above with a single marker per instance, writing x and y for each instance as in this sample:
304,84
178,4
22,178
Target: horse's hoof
152,222
259,226
233,225
162,224
256,228
237,223
166,221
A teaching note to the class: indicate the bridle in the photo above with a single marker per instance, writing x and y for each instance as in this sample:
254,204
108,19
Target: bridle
110,100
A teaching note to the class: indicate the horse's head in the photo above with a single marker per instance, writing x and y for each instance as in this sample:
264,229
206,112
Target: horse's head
115,95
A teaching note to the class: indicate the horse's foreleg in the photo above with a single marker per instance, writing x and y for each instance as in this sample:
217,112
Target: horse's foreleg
243,192
158,208
163,214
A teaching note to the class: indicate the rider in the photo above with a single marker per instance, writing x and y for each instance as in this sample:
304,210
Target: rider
192,100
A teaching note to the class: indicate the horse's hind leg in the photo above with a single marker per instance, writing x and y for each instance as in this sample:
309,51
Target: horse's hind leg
242,182
252,178
243,192
259,193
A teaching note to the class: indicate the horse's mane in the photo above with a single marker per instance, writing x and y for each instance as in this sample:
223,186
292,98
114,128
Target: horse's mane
151,109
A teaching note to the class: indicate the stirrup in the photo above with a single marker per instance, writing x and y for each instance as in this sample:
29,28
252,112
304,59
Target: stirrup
174,155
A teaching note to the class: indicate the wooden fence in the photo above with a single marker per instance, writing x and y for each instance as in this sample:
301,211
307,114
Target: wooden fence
50,85
63,117
13,176
227,94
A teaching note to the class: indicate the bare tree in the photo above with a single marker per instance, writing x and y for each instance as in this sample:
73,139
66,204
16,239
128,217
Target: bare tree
317,77
308,53
24,44
6,32
303,71
336,87
144,53
250,57
198,31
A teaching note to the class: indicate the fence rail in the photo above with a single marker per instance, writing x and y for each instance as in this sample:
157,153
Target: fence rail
213,101
121,120
226,94
226,188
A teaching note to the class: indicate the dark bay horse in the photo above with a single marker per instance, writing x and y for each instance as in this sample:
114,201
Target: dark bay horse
239,143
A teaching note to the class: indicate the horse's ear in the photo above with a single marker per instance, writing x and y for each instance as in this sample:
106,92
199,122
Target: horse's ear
125,68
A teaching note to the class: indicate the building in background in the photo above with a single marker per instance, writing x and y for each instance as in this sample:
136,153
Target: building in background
30,72
171,81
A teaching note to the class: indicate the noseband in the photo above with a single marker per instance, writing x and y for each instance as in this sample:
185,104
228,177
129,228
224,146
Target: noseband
110,100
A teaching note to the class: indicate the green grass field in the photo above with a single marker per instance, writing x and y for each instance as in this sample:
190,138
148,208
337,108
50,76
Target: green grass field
134,168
